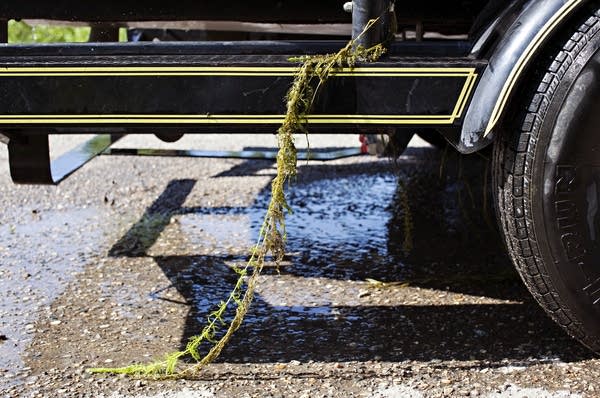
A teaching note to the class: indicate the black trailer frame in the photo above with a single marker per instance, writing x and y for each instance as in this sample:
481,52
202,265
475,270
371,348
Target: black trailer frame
459,86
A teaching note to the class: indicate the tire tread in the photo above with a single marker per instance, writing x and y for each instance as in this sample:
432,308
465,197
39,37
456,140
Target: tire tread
513,158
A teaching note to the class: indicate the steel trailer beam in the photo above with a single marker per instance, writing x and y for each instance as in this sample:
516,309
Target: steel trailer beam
174,88
157,88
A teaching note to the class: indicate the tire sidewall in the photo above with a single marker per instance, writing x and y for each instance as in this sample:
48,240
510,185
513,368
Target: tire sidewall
567,275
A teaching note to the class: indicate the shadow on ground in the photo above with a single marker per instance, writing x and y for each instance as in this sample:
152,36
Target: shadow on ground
350,225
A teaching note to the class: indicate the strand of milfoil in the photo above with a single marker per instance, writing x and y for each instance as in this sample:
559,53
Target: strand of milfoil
310,77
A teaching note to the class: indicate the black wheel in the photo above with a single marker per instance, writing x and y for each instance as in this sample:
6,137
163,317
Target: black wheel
547,183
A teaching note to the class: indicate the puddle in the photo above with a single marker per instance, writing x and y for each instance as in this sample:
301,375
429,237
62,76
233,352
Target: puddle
345,217
38,258
347,228
227,234
342,220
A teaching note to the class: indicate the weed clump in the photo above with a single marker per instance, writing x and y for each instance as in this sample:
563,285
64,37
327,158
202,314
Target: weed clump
312,74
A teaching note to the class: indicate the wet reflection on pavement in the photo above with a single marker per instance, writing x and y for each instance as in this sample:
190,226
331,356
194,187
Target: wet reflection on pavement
348,291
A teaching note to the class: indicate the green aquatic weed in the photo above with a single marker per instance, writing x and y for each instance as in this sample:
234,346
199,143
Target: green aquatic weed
312,74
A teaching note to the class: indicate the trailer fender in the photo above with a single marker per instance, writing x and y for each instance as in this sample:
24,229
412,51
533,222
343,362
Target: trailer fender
512,41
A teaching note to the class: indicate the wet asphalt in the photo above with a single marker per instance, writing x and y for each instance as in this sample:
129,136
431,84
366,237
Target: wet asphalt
396,283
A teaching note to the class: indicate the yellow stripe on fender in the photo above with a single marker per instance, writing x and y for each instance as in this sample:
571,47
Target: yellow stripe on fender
524,59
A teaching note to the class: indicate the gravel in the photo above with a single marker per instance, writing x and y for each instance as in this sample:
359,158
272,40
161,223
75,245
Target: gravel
122,261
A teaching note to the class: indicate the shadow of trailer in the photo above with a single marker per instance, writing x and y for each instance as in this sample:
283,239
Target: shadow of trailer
521,74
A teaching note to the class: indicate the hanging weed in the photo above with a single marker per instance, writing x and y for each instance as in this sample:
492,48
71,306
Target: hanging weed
312,74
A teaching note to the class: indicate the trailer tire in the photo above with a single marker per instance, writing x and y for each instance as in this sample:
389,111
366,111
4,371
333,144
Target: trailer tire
546,179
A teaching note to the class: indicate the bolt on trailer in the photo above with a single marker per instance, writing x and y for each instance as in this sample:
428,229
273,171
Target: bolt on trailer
521,75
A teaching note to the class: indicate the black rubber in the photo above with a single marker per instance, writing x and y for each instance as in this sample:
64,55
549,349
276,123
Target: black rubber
546,178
